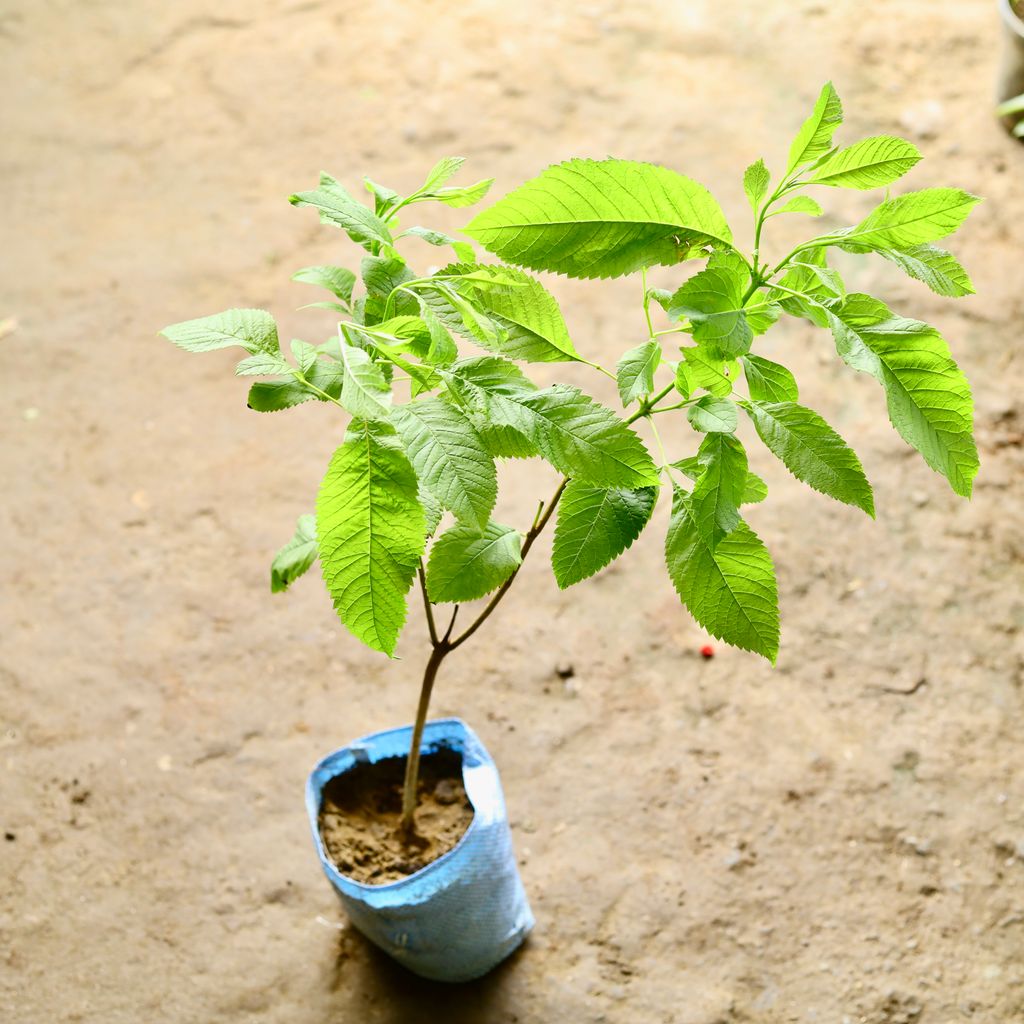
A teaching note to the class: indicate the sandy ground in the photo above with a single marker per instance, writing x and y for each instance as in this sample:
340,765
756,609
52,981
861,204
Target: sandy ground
704,843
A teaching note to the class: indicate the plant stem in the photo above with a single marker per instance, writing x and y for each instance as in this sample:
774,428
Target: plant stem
441,648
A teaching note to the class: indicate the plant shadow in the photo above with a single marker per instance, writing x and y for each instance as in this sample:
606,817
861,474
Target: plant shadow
369,977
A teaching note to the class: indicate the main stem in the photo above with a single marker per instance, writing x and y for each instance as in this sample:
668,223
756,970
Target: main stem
442,646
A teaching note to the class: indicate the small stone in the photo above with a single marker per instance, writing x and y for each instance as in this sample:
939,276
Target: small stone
565,670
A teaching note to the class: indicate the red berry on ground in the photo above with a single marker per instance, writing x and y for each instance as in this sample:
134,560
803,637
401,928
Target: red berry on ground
707,651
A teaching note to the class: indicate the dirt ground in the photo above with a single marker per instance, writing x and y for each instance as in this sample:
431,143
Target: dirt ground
704,842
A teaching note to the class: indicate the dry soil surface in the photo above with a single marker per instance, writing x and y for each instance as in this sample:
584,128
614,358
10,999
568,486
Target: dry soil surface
838,840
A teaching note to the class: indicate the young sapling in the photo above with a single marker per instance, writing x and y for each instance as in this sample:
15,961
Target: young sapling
428,421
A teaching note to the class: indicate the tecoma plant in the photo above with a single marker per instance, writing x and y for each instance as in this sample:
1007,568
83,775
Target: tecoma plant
427,422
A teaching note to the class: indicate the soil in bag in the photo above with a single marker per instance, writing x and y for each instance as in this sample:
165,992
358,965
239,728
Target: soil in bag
361,808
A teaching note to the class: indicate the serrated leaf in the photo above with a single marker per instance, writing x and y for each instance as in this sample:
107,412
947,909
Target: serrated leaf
595,525
372,533
295,557
276,395
705,370
251,329
938,269
337,280
463,196
718,493
337,207
755,490
870,163
267,364
532,327
909,220
815,135
449,458
585,440
710,414
601,218
730,588
431,509
305,355
755,183
928,396
812,451
466,564
712,300
635,371
768,381
800,204
364,392
382,275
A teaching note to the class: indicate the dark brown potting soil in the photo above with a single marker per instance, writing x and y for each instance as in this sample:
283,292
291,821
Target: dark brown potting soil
360,811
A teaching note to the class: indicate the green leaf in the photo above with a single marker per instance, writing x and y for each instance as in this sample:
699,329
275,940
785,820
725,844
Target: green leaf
462,196
908,220
705,370
815,136
305,355
595,525
729,588
768,381
869,163
431,508
449,458
755,183
938,269
532,327
295,557
718,493
928,396
251,329
601,218
755,490
585,440
466,564
444,170
265,364
372,533
635,371
713,415
337,207
364,392
275,395
382,275
799,204
338,280
463,250
812,451
384,198
712,300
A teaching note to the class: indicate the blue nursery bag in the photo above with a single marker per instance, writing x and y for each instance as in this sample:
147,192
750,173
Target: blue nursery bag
463,913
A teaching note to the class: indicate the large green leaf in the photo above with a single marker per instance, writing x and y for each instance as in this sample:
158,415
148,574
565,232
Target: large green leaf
768,381
372,532
720,488
712,300
601,218
909,220
812,451
337,207
938,269
296,556
251,329
466,564
449,457
729,588
364,392
585,440
635,371
595,525
815,135
276,395
928,396
869,163
532,325
713,415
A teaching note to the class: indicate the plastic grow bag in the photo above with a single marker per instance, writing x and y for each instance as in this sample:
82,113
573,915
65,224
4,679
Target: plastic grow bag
463,913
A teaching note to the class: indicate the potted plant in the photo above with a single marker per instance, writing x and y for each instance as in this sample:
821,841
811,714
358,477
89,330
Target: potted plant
410,824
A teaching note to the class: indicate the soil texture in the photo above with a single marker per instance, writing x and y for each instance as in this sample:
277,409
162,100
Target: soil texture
361,810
